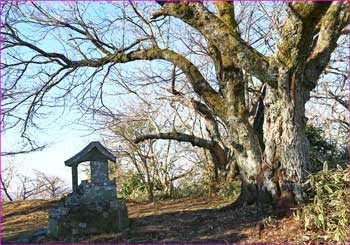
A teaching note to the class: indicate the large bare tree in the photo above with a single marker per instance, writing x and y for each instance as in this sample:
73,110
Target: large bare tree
270,148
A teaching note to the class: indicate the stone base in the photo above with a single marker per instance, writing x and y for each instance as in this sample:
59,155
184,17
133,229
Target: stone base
88,218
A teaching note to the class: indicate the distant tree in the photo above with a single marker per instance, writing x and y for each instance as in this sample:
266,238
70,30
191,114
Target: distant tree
50,186
27,187
8,173
158,165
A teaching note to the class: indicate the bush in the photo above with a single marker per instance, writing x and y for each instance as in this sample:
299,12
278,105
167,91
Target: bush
327,211
229,191
131,186
323,150
189,188
199,188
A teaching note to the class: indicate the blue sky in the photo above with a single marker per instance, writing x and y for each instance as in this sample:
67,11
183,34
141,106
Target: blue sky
59,126
63,142
58,129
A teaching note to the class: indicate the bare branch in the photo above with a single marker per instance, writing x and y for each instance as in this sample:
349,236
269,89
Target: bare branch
195,141
246,57
332,24
298,31
40,148
226,12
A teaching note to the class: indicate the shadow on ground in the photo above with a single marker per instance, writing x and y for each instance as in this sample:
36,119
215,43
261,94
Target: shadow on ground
201,226
168,223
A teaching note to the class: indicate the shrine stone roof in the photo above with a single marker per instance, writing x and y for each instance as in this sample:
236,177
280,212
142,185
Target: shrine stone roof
92,152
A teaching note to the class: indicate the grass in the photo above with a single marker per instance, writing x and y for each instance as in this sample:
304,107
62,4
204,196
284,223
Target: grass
184,220
24,217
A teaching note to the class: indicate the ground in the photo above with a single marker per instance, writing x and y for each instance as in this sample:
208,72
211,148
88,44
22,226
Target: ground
184,220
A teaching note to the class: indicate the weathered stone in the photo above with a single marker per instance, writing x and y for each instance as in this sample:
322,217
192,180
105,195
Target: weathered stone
113,204
92,152
63,210
72,199
84,185
40,239
82,225
123,220
99,209
75,231
92,207
99,172
99,194
24,239
53,228
40,232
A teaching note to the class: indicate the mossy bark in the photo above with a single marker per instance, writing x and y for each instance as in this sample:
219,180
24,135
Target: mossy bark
286,146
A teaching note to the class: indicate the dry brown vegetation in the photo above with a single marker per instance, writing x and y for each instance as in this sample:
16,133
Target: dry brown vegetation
184,220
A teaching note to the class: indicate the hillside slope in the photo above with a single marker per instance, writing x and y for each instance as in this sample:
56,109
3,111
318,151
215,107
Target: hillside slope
183,220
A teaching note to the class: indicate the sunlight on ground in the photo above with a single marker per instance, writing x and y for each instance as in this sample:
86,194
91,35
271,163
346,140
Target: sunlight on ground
184,220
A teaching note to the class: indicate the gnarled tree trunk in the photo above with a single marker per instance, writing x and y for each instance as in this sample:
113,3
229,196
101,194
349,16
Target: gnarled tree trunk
286,146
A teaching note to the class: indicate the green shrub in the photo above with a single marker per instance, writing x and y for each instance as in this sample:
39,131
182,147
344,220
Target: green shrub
327,210
323,150
189,188
131,186
229,190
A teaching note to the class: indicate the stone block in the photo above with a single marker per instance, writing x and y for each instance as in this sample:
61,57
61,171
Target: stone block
93,206
53,228
99,172
123,220
113,204
82,225
98,194
89,219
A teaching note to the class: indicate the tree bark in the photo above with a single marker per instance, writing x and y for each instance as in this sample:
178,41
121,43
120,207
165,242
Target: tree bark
248,154
285,154
274,175
286,146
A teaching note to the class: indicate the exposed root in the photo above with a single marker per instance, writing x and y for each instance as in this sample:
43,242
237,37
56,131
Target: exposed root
239,203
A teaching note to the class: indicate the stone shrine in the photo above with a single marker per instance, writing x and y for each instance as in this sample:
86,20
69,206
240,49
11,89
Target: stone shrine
92,207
